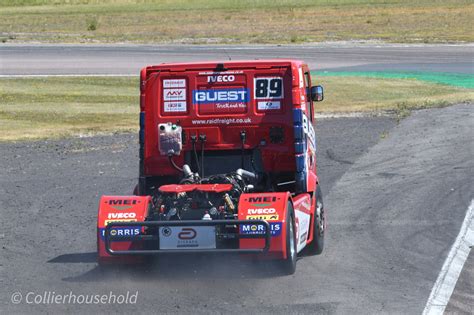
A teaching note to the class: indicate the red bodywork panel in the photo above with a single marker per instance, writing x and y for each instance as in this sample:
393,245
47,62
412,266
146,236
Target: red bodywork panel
271,207
216,188
120,209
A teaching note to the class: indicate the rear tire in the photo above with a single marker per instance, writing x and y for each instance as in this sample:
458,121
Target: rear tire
317,244
288,265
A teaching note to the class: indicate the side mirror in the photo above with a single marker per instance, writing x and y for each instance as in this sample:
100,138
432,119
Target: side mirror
317,93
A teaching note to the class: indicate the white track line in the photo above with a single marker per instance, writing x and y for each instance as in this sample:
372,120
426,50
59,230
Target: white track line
452,267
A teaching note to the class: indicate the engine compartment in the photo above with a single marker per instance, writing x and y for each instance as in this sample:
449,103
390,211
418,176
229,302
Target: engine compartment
214,197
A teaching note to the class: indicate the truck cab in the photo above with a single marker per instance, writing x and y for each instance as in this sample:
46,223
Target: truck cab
262,110
227,162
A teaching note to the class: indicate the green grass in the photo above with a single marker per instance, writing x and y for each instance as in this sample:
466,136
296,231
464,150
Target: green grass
39,108
221,21
363,94
454,79
57,107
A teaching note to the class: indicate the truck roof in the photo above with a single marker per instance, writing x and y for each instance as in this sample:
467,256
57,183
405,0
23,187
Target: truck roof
227,63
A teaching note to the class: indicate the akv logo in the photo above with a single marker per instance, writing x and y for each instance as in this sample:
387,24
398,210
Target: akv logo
187,234
174,94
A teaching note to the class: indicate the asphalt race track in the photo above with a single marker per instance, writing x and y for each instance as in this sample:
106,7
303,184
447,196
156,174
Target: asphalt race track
128,59
396,196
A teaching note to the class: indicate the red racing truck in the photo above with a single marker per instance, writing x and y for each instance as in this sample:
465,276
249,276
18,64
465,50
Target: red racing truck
227,163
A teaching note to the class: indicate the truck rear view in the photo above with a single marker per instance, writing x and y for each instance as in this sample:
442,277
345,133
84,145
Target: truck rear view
227,163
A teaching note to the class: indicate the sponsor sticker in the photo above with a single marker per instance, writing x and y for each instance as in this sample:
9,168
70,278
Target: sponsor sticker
106,222
306,205
309,131
174,83
173,107
303,237
220,78
221,100
122,231
122,202
261,211
174,94
275,229
220,96
268,88
262,199
176,237
268,105
222,121
122,215
267,217
220,73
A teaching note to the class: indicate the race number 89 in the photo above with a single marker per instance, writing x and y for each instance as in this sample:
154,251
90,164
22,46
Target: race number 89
268,88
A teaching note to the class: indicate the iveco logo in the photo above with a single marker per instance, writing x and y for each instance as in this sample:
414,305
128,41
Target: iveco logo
262,211
130,215
220,78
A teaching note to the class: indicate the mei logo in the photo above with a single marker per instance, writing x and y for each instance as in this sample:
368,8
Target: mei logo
129,215
123,202
263,199
220,78
222,95
262,211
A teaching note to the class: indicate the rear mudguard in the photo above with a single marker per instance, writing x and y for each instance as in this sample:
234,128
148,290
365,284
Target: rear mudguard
273,208
304,211
120,209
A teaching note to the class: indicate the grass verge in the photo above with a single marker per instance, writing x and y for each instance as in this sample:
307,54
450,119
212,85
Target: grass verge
55,107
38,108
245,21
363,94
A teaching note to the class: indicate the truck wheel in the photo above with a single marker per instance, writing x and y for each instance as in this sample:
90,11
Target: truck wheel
317,245
288,265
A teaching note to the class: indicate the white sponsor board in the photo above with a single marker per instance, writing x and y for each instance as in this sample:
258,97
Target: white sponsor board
174,83
263,105
172,107
187,237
